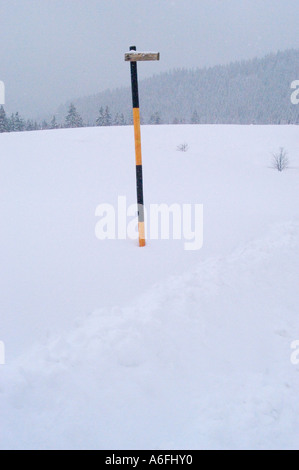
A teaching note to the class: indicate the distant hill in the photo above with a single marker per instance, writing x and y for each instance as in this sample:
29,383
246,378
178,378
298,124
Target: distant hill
254,91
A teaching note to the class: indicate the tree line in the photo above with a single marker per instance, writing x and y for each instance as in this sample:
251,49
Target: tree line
73,119
256,91
16,123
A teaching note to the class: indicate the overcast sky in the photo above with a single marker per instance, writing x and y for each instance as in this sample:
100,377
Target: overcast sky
55,50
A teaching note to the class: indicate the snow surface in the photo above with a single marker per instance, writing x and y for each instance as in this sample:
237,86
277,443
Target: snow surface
109,346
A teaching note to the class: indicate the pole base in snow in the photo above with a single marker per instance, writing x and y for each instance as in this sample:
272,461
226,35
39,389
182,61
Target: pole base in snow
141,234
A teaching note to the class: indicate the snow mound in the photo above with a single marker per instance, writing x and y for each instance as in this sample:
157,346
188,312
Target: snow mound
201,360
110,346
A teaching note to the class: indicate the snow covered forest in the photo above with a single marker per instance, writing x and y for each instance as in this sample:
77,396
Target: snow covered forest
250,92
257,91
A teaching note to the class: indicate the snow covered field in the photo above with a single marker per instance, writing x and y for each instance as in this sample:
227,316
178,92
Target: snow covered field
109,346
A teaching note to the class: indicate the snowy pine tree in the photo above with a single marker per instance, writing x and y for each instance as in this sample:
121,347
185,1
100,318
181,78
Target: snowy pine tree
54,124
3,121
11,123
122,121
155,118
116,120
195,118
29,126
104,118
101,118
73,118
19,123
107,117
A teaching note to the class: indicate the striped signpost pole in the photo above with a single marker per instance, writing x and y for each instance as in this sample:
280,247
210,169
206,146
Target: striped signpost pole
133,57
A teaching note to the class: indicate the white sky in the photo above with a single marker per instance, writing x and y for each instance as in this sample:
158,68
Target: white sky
54,50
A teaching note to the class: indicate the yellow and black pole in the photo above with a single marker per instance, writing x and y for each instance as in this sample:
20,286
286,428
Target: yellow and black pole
137,133
133,56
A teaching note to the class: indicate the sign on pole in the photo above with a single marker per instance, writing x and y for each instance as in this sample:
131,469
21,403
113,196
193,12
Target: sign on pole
133,57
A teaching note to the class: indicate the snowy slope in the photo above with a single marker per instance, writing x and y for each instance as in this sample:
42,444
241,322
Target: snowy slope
112,346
